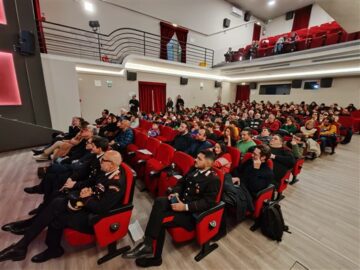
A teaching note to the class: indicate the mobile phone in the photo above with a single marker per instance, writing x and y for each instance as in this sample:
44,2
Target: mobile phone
174,200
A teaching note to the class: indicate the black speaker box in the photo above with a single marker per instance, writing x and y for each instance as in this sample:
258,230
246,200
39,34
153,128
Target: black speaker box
26,43
247,16
217,84
326,82
183,81
253,85
226,23
289,15
131,76
296,84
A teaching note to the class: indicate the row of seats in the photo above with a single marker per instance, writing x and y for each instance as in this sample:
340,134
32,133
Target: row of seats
314,37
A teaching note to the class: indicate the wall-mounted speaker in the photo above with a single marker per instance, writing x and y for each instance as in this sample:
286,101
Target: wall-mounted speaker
247,16
289,15
326,82
183,81
131,76
296,84
253,85
26,43
217,84
226,23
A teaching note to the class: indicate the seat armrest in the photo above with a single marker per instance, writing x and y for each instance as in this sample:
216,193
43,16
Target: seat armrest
94,218
131,153
141,161
199,217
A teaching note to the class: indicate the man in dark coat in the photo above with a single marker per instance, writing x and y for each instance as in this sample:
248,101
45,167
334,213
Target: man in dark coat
106,193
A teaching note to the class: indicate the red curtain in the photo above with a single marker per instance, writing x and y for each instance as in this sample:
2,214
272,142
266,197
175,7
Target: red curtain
302,18
167,31
242,93
152,96
256,32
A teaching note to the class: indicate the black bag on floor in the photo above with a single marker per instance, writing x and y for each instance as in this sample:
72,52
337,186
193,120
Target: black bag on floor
272,222
348,136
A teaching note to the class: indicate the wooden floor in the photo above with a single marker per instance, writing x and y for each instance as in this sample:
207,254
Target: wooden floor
322,211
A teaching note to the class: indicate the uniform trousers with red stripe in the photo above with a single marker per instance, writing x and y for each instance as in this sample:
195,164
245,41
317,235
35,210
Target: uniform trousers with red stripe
162,217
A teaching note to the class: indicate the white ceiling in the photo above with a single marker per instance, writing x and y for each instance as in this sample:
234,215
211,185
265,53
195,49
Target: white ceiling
261,9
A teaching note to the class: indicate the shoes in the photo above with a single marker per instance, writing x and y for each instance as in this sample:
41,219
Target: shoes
294,181
13,253
17,227
41,157
47,255
38,151
333,152
147,262
35,211
140,251
34,190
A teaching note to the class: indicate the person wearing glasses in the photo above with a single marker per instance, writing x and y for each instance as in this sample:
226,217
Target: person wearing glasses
97,196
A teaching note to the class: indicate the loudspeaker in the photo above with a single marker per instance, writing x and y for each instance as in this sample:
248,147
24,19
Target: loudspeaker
217,84
26,43
289,15
131,76
226,23
253,85
296,84
183,81
247,16
326,82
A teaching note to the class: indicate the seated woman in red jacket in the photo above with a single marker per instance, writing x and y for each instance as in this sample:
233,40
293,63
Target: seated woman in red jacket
223,159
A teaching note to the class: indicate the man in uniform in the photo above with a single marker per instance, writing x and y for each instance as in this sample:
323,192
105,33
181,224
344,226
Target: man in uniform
58,176
105,194
196,192
134,105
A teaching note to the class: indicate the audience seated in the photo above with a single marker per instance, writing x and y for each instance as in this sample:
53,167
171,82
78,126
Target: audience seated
272,123
65,211
246,142
222,158
200,143
102,121
123,138
289,128
265,136
328,134
229,137
154,131
183,140
282,158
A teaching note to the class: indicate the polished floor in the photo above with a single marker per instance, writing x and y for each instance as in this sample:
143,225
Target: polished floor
322,211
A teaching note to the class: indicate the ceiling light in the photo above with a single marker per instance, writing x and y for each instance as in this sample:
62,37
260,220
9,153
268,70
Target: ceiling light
297,74
89,7
258,23
174,24
271,2
100,71
175,72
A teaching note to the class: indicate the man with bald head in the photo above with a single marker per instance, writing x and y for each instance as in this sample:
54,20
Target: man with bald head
73,211
124,137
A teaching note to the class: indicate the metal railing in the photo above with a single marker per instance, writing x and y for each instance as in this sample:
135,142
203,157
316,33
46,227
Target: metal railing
114,47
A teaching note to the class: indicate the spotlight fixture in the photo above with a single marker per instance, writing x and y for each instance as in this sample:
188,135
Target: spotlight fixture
271,2
95,25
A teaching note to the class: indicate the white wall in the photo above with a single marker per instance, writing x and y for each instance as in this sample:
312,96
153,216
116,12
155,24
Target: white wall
94,99
343,91
203,18
62,91
279,25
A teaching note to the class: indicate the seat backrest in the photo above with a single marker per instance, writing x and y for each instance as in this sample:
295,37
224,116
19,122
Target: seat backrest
165,154
152,145
211,141
129,192
183,162
140,139
235,157
221,178
261,197
258,142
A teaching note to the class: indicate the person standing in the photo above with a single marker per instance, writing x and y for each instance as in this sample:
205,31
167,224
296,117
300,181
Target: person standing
169,105
179,104
134,105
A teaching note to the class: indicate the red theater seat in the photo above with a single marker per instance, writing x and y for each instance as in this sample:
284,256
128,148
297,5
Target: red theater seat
183,162
283,185
332,39
316,42
297,169
207,226
109,228
167,134
153,166
235,157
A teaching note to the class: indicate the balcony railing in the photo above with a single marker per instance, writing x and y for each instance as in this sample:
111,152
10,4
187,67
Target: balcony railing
61,39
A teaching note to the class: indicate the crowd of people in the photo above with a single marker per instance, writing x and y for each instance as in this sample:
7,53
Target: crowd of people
85,163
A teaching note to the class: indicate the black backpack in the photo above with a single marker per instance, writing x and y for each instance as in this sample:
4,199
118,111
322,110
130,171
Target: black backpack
272,222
